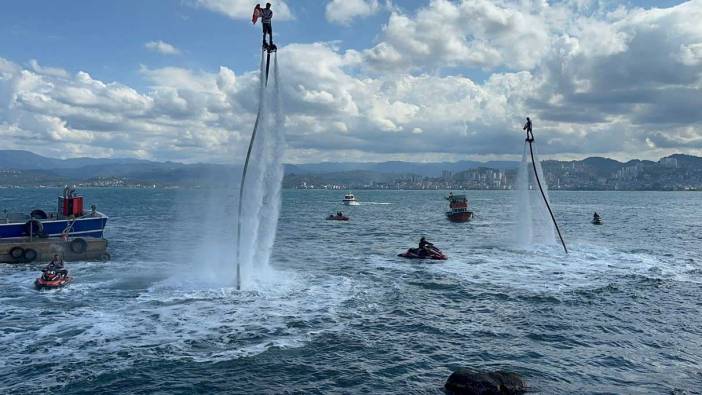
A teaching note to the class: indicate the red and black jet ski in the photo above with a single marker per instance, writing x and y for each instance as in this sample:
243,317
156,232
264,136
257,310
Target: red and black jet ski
51,279
431,253
337,218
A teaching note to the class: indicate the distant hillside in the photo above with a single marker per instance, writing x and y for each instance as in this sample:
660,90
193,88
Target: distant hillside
25,160
432,169
24,168
675,172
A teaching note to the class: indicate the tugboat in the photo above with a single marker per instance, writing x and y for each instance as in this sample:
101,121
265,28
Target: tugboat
350,200
70,220
458,205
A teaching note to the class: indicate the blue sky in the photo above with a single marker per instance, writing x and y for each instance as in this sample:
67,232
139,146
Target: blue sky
107,38
426,80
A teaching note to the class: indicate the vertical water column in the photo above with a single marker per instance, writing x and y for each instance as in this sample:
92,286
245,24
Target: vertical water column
259,205
534,225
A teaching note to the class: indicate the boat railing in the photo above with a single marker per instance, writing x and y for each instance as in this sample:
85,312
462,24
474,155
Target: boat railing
12,218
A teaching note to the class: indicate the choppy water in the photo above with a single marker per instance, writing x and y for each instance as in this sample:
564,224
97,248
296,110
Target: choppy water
342,314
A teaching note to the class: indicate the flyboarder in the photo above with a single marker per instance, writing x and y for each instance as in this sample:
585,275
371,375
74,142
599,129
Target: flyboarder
530,140
266,15
527,127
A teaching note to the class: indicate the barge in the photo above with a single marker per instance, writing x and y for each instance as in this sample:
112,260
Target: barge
70,231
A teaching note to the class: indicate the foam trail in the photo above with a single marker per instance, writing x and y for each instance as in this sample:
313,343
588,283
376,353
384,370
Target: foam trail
533,225
260,203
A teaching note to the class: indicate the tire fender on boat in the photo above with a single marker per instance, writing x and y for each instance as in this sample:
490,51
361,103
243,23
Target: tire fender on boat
34,226
29,255
78,245
39,214
16,252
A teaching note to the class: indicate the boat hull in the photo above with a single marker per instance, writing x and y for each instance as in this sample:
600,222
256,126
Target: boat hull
459,217
81,227
351,203
41,283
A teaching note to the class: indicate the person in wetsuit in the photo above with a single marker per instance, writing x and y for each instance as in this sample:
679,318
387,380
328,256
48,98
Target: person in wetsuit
527,127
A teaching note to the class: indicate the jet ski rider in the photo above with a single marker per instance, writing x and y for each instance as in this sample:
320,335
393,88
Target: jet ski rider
425,247
56,265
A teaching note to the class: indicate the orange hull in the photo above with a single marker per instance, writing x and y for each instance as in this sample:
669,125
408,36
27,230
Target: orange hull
460,217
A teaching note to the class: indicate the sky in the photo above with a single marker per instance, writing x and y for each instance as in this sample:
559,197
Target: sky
361,80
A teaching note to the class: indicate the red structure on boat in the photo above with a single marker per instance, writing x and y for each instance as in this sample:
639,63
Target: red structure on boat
458,205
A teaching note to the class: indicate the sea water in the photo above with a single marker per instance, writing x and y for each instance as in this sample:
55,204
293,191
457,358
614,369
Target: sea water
619,314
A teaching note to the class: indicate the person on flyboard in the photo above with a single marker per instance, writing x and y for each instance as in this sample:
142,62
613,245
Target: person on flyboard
527,127
266,15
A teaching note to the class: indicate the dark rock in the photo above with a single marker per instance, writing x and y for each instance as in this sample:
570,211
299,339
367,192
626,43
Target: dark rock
470,382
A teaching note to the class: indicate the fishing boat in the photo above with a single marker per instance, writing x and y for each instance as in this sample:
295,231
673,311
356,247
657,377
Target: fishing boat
350,200
69,220
458,208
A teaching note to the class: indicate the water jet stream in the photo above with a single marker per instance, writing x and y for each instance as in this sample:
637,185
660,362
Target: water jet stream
262,197
543,194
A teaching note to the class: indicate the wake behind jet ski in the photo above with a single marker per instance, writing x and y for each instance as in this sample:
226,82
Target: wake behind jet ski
426,250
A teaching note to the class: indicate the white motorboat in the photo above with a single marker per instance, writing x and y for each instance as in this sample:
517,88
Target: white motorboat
350,200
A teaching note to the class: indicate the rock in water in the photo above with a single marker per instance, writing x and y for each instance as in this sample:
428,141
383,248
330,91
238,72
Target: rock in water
470,382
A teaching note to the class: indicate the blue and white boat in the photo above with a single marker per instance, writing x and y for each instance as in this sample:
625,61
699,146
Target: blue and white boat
70,220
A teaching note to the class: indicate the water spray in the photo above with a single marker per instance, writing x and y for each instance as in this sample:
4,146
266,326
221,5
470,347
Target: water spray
259,189
243,179
530,140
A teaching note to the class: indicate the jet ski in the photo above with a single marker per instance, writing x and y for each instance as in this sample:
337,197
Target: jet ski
51,279
597,221
337,218
415,253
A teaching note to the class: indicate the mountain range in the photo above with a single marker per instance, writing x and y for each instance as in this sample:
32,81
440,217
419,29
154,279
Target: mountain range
24,168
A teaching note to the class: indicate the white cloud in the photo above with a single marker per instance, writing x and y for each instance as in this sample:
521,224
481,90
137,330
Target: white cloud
476,33
162,48
56,72
344,11
243,9
624,83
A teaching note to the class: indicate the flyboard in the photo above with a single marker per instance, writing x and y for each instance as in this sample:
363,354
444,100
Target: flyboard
269,48
266,51
530,140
